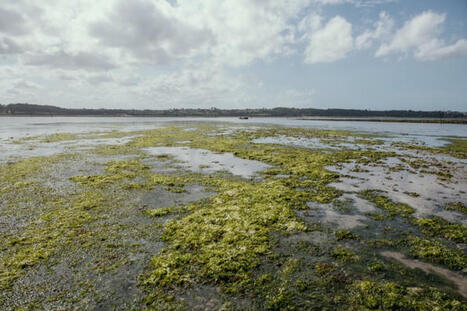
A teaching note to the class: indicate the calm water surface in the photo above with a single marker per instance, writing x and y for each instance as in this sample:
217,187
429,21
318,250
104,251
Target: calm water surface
430,133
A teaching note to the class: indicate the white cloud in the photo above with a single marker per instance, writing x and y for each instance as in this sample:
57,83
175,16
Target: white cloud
245,30
420,35
420,30
161,53
310,23
149,31
98,79
8,46
331,42
357,3
22,84
12,22
382,29
439,51
64,60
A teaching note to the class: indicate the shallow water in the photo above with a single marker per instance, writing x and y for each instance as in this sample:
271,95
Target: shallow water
325,214
11,150
398,186
429,133
205,161
311,143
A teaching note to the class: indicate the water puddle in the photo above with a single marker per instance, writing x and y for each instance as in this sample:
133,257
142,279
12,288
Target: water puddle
422,191
12,151
428,141
325,214
88,143
159,198
205,161
360,204
310,143
459,280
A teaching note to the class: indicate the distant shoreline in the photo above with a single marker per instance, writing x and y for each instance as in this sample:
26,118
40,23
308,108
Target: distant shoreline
311,118
394,120
331,114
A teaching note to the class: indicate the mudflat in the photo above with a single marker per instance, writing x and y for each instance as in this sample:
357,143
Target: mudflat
204,215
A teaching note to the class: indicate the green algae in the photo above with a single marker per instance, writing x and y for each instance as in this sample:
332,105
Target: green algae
117,171
412,194
456,206
456,148
60,137
436,252
344,255
371,295
432,250
346,235
391,207
19,174
434,226
368,141
222,241
190,257
44,236
61,222
158,212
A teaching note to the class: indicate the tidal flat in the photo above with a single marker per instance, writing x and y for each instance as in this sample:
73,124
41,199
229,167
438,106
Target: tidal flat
199,215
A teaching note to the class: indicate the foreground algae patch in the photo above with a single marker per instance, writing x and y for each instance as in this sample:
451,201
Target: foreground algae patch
18,175
45,235
436,252
433,250
117,171
61,219
434,226
222,240
371,295
19,186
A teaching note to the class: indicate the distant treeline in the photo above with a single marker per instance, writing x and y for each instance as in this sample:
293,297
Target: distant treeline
43,110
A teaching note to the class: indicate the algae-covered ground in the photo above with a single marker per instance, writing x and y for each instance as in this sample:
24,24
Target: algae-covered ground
216,216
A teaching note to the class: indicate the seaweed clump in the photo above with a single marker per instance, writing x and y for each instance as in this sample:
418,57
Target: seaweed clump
371,295
434,226
391,207
436,252
221,241
456,206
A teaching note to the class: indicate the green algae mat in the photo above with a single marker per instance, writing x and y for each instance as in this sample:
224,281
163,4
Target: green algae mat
244,224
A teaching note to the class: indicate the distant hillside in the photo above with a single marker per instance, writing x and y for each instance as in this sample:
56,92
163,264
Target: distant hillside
42,110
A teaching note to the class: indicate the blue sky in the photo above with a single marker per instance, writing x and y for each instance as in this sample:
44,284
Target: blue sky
157,54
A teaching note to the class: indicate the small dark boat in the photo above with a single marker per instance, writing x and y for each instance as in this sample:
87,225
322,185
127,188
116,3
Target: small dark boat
243,118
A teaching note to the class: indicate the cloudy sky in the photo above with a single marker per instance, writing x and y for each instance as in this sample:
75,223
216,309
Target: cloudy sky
157,54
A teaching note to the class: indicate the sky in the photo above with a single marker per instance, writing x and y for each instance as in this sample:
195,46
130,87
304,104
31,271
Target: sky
164,54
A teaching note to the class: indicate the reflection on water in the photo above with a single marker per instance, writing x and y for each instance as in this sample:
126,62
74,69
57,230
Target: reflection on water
311,143
399,185
34,148
205,161
24,126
